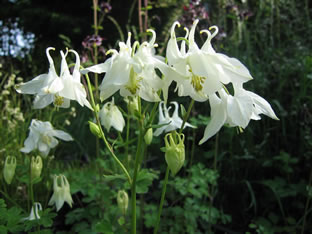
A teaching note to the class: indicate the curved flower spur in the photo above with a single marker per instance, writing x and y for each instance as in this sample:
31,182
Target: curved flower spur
59,90
170,123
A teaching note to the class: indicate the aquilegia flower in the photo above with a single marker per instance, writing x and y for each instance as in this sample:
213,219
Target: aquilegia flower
171,122
59,90
111,116
61,192
201,72
235,110
34,213
42,136
132,72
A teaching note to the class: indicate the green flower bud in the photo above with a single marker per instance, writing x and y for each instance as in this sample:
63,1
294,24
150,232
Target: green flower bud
175,151
36,167
133,104
148,136
122,201
94,128
9,169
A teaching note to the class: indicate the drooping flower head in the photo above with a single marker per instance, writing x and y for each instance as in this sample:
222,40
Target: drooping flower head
61,192
172,122
111,116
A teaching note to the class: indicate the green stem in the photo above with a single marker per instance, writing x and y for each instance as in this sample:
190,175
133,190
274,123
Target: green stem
109,147
186,116
306,205
135,173
163,193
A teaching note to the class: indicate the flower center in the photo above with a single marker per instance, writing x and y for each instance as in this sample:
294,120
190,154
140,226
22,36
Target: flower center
58,100
46,139
133,85
197,82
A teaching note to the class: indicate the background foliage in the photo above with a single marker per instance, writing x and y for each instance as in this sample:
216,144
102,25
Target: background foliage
261,179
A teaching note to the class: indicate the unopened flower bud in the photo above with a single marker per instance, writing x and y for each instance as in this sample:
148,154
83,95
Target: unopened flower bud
94,128
148,136
175,151
9,169
133,104
122,201
36,167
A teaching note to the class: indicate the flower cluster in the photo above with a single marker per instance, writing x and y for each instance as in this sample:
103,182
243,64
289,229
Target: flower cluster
131,71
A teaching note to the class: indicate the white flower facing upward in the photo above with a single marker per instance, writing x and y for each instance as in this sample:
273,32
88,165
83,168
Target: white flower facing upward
172,122
42,136
59,90
131,71
237,110
111,116
34,212
61,192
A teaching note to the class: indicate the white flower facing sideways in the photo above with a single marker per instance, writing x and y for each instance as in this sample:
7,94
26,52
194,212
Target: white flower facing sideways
61,192
34,213
59,90
131,72
42,136
172,122
237,110
111,116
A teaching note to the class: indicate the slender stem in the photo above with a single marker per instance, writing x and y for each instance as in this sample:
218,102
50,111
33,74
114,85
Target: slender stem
163,193
306,206
135,173
186,116
140,16
103,135
127,137
212,190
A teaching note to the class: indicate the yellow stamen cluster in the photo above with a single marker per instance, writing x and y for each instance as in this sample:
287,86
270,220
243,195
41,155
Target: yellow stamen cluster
133,84
197,82
58,100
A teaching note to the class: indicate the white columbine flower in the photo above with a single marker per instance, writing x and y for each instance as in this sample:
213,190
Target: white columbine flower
201,72
172,122
34,212
51,88
61,192
132,73
235,110
111,116
42,137
45,86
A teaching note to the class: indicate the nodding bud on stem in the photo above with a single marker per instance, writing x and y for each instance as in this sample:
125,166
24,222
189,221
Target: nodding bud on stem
94,128
9,169
122,201
148,136
174,151
36,167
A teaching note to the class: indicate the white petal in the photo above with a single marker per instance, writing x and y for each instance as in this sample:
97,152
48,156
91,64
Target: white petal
99,68
262,105
239,110
218,119
42,101
61,135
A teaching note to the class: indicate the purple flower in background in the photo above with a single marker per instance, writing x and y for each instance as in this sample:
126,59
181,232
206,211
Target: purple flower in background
105,7
194,10
90,40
